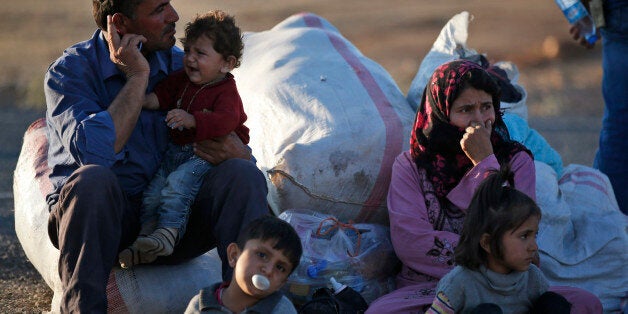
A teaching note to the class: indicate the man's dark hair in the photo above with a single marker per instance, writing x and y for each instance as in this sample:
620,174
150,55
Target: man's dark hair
102,8
221,29
272,228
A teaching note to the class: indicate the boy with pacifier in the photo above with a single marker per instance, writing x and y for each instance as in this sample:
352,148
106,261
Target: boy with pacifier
263,257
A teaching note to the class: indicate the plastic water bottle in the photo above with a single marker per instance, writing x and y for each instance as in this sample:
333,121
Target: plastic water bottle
349,296
577,14
316,269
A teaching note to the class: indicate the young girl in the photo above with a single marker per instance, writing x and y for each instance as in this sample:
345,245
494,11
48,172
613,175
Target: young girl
495,271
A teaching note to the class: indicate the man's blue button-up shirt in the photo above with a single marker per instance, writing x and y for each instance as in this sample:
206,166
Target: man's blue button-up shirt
79,87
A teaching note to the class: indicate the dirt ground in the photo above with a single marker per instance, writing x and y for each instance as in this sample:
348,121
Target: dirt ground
561,78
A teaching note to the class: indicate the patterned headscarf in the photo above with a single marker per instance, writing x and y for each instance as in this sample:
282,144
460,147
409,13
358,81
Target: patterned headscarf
435,142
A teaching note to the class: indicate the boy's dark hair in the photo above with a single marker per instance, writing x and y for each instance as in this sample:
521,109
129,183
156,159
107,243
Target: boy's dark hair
102,8
496,207
220,28
272,228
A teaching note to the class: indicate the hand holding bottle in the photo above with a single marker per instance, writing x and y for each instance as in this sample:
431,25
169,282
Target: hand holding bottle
582,26
577,34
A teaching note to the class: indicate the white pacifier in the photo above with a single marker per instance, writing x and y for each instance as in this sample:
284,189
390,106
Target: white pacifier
261,282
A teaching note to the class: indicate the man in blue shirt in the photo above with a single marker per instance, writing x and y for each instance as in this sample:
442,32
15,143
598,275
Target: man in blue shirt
103,150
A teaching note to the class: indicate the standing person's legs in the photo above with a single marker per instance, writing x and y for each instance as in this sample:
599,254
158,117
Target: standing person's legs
91,221
612,156
232,194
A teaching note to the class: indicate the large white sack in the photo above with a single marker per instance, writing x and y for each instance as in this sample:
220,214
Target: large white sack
583,237
143,289
326,122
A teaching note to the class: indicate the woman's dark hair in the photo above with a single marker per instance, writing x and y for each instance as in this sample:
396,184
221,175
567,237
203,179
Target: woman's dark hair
497,207
221,29
482,80
281,232
447,139
102,8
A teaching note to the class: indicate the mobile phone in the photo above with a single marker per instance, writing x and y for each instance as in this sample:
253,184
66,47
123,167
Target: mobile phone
139,46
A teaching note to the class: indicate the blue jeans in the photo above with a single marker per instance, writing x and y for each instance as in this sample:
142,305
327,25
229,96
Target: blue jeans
612,155
172,190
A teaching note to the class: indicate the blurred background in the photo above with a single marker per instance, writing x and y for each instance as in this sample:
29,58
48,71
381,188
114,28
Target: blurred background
562,79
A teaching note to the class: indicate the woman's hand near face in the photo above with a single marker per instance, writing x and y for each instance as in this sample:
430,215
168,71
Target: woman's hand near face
474,112
476,141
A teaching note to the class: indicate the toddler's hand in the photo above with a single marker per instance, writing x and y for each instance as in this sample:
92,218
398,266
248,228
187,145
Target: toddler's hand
179,118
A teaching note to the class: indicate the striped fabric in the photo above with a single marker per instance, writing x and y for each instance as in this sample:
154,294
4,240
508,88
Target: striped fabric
440,305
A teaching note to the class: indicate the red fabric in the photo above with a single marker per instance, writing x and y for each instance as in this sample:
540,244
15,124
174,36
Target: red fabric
392,122
38,148
217,108
218,292
435,142
115,302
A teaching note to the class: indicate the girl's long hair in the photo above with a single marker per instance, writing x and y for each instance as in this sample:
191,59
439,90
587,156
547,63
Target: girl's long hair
497,206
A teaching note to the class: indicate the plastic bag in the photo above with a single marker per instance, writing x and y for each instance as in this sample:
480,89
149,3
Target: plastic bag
360,256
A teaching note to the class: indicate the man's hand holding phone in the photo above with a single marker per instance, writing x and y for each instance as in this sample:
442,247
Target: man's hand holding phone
125,51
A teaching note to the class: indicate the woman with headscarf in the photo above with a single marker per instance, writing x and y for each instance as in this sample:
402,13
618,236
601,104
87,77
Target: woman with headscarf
458,136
